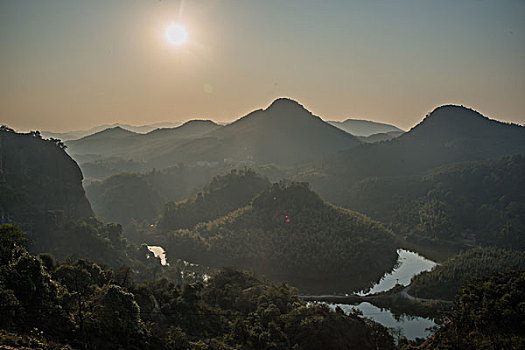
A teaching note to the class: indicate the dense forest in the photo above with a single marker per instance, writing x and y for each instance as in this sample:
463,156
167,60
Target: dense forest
96,278
470,203
290,233
222,195
125,198
38,177
445,280
488,314
52,304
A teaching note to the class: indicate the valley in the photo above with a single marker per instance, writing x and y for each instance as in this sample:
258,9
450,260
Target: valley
189,216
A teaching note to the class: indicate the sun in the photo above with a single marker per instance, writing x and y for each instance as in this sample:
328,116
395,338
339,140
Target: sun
176,34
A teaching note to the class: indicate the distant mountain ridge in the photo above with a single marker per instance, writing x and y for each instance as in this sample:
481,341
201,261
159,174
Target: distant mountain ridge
77,134
449,134
284,133
382,136
360,127
121,142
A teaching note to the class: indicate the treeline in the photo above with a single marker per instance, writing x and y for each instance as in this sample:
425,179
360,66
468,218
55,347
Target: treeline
290,233
487,314
470,203
136,200
446,279
222,195
79,304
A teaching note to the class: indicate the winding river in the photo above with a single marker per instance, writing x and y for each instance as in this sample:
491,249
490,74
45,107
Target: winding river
410,327
408,265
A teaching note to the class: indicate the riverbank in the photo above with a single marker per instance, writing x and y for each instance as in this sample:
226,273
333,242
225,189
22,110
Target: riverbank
397,300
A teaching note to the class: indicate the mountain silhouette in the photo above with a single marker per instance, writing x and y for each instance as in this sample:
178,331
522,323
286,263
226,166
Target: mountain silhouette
105,141
119,142
77,134
360,127
38,180
382,136
284,133
449,134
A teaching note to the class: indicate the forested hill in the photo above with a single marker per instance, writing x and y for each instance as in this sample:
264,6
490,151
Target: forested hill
41,191
290,233
37,178
446,279
475,202
447,135
225,193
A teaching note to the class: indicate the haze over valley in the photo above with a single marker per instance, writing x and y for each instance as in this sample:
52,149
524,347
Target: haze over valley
262,175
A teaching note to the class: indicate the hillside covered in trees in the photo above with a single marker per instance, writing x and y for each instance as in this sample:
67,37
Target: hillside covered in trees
290,233
41,190
474,203
446,279
225,193
37,175
487,314
124,198
40,186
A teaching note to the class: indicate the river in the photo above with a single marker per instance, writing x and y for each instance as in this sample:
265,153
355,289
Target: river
410,327
159,252
408,265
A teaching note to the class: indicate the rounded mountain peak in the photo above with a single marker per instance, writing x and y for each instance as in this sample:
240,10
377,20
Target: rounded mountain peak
452,121
198,122
285,103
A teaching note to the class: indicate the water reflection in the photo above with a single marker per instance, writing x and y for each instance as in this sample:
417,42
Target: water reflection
409,264
411,327
159,252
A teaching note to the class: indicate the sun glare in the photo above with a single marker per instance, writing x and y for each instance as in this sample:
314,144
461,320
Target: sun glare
176,34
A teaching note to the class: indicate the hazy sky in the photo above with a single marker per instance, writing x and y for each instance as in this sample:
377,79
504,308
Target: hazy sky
75,64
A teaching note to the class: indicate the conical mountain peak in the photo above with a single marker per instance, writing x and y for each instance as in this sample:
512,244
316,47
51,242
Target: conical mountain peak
285,103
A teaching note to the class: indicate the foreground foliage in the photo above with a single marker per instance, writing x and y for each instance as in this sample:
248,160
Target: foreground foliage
489,313
79,304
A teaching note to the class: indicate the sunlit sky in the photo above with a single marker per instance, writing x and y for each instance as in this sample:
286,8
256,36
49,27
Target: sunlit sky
69,65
